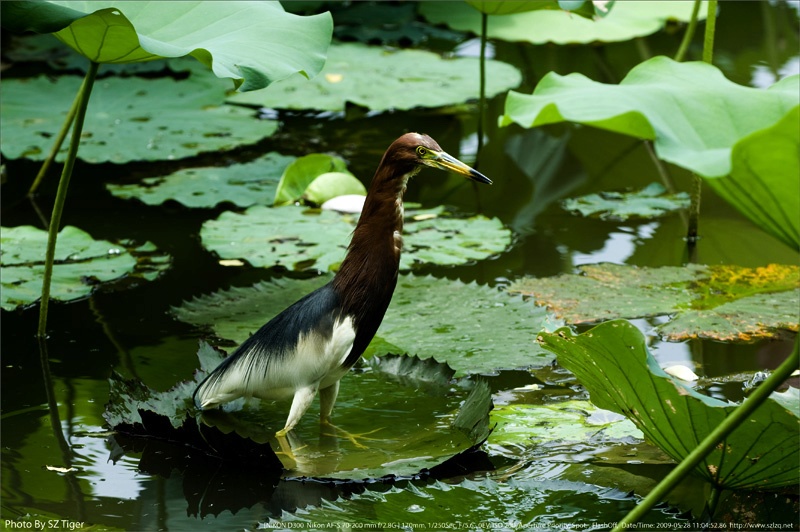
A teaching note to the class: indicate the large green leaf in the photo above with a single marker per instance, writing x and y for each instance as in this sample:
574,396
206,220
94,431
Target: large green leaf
382,80
613,362
299,239
430,432
624,21
254,43
650,202
727,303
127,120
242,184
474,328
81,263
301,173
484,504
694,115
764,183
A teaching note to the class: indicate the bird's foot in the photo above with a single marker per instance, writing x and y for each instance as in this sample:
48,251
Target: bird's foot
288,445
353,438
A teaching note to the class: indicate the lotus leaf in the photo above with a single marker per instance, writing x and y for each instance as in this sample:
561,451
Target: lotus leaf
382,80
649,202
81,263
403,451
612,361
333,185
128,120
764,183
279,43
696,131
534,504
299,175
472,328
299,239
242,184
727,303
626,20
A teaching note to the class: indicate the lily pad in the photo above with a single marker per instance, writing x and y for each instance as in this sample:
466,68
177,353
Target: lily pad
612,361
697,131
383,80
242,184
540,503
129,119
472,328
650,202
726,303
300,239
81,264
437,434
279,43
624,21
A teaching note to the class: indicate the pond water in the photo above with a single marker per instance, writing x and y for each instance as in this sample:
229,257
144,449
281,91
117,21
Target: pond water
59,464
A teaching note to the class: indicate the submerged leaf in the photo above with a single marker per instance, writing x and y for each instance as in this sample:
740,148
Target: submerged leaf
81,264
612,361
650,202
382,80
160,119
243,184
728,303
301,239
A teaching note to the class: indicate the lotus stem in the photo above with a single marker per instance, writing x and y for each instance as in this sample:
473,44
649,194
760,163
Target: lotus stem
57,144
482,104
731,423
711,24
61,195
687,37
694,211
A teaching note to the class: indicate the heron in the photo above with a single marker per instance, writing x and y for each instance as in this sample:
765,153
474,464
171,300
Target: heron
312,344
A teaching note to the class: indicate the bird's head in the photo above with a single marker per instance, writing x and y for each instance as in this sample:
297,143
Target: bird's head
417,150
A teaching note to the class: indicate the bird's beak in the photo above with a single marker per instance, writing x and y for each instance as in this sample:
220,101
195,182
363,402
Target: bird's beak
445,161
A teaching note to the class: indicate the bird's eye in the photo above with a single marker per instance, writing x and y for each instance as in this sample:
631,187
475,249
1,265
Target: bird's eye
421,151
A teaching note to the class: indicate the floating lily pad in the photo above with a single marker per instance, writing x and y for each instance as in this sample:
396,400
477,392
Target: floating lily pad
128,119
299,239
243,184
612,361
650,202
625,20
212,32
81,263
540,503
727,303
560,422
473,328
437,433
382,80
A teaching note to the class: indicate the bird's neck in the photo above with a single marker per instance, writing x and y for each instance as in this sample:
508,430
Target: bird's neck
368,274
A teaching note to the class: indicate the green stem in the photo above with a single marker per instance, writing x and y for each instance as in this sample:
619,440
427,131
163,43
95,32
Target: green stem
711,24
687,37
61,195
713,501
694,211
482,108
57,144
731,423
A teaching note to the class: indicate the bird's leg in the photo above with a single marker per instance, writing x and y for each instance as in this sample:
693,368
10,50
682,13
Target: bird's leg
302,400
327,398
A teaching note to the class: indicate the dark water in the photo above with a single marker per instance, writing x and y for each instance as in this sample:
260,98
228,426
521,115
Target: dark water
54,420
